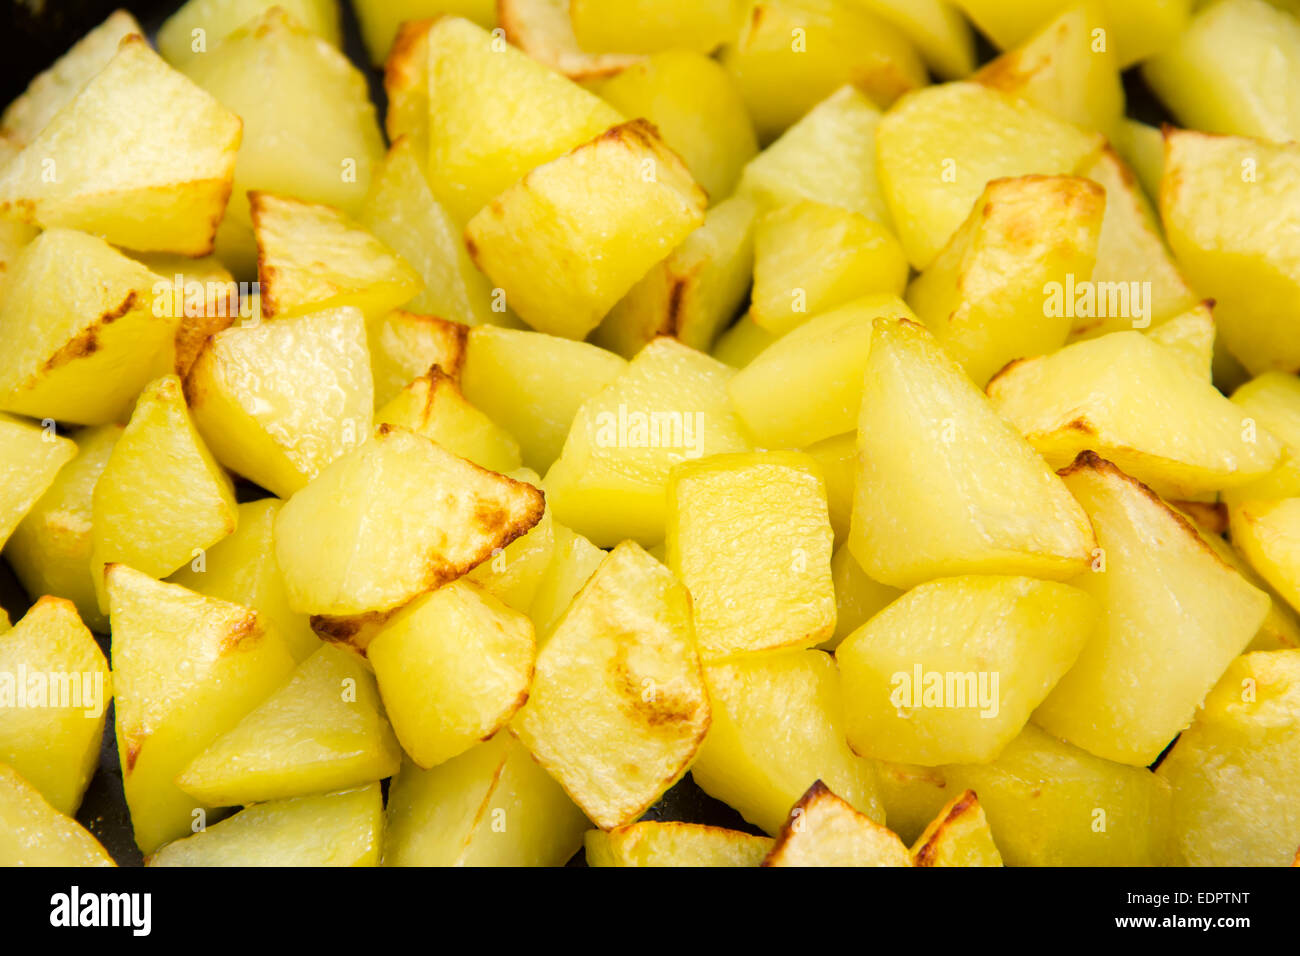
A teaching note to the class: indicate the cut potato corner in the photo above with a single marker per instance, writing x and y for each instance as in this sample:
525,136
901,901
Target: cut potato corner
214,20
958,836
993,505
336,829
405,345
857,597
33,833
574,560
543,30
1190,337
186,669
618,707
30,459
144,158
669,843
823,830
515,572
433,406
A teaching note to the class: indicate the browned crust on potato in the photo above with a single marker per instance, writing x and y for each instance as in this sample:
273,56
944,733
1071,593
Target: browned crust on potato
818,791
86,342
1212,516
354,631
1007,370
927,854
533,38
402,60
246,633
134,744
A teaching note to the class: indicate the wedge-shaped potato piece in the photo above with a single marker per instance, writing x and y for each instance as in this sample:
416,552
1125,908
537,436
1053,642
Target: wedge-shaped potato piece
533,384
670,405
186,669
810,258
30,459
1051,804
497,115
33,833
693,293
1231,69
1137,28
1234,772
433,406
336,829
1134,403
618,707
913,796
544,30
984,295
78,344
242,569
198,26
951,671
203,296
742,343
837,457
1268,533
829,156
669,843
824,830
50,550
515,572
392,519
405,345
750,538
648,26
931,172
1190,338
312,257
162,496
1174,615
50,91
776,727
141,156
491,806
381,20
323,730
1066,68
54,690
310,130
958,836
992,505
699,112
857,597
453,667
570,239
402,212
936,28
807,385
278,401
791,54
573,561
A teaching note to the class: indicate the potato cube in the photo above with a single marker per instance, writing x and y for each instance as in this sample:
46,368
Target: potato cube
912,796
198,26
574,560
30,460
405,345
824,830
1268,534
669,843
33,833
204,297
958,836
433,406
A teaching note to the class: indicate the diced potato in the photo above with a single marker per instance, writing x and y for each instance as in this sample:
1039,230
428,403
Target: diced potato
405,345
1143,148
1190,337
1232,70
453,667
1271,401
1134,403
573,561
78,344
936,28
50,91
533,384
186,669
913,796
983,295
381,20
1231,210
837,457
515,572
1066,68
1281,627
669,843
618,707
693,293
55,689
932,171
162,497
198,26
336,829
695,105
406,85
31,457
498,114
743,342
574,235
390,520
1050,804
857,597
990,506
670,405
310,130
1268,534
204,298
491,806
279,400
958,836
141,156
824,830
776,729
433,406
808,385
50,550
33,833
323,730
750,538
791,54
810,258
1234,773
648,26
829,156
544,30
242,569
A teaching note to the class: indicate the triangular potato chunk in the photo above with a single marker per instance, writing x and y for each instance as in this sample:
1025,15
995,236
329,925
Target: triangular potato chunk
823,830
405,345
433,406
1190,337
30,459
33,833
958,836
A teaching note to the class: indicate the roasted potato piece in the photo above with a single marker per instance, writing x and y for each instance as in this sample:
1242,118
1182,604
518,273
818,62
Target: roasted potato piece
668,843
837,457
1190,337
573,561
544,30
515,572
936,28
198,26
743,342
857,597
1268,533
648,26
203,297
958,836
381,20
913,796
433,406
33,833
405,345
30,459
824,830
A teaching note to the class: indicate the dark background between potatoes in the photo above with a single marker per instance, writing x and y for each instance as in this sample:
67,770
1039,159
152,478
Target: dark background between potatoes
37,32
